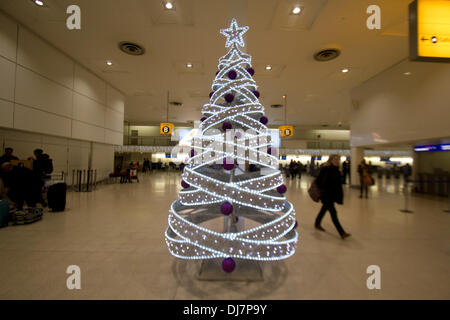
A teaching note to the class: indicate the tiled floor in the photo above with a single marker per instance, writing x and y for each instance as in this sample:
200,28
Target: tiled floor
115,235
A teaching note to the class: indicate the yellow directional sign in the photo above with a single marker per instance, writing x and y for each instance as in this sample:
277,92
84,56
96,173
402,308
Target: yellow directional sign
429,30
286,131
165,128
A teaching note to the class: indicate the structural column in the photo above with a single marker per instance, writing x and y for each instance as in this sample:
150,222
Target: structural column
357,154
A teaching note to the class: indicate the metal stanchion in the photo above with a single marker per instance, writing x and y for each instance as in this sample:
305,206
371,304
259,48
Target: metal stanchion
88,182
405,190
95,179
79,172
73,179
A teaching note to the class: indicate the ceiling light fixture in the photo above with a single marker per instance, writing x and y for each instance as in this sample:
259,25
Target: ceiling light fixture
109,63
269,67
169,5
345,70
38,2
189,65
407,73
296,10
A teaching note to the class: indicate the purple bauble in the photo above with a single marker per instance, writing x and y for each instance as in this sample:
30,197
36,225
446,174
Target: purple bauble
228,265
228,164
184,184
226,208
269,150
211,93
295,225
251,71
238,135
232,74
217,73
256,93
203,119
282,189
236,219
192,153
229,97
226,126
263,120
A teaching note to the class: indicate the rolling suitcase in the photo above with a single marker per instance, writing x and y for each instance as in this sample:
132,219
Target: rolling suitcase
4,213
56,197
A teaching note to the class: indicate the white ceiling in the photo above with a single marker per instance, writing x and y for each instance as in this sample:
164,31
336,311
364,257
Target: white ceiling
317,92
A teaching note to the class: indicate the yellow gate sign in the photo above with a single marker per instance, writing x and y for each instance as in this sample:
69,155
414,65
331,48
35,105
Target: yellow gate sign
429,30
286,131
165,128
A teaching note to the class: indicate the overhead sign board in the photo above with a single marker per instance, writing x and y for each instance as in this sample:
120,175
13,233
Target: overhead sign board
165,128
286,131
434,147
429,30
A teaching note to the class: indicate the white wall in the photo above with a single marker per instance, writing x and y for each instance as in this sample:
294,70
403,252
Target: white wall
46,92
67,154
42,90
395,108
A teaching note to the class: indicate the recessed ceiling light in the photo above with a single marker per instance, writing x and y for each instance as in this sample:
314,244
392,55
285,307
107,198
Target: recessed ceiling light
189,65
268,67
296,10
407,73
434,39
284,97
169,5
109,63
345,70
38,2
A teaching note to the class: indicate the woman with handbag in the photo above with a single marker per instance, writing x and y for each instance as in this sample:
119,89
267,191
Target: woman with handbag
365,178
329,182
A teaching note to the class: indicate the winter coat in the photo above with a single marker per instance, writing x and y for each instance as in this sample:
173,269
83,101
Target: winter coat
329,182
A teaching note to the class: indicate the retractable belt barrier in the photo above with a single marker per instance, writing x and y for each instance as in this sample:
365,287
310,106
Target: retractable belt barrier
84,180
405,191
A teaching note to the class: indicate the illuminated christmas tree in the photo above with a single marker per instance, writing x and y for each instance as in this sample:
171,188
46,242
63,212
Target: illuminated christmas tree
232,174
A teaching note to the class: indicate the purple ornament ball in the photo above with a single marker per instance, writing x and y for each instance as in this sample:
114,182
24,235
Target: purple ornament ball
296,224
226,208
256,93
264,120
203,119
282,189
251,71
236,219
269,150
211,93
238,135
192,152
184,184
228,265
228,164
229,97
217,73
226,126
232,74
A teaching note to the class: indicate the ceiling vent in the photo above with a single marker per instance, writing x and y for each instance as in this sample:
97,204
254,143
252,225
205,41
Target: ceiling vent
131,48
327,54
276,106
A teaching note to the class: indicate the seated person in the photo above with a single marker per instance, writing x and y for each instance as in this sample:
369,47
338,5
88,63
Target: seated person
22,185
8,156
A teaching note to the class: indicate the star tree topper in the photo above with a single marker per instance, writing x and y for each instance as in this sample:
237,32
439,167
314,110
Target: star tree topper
234,34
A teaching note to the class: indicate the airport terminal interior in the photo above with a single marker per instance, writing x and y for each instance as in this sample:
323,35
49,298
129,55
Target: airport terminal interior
224,149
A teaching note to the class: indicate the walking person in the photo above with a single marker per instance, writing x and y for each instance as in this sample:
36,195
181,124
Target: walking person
365,179
329,182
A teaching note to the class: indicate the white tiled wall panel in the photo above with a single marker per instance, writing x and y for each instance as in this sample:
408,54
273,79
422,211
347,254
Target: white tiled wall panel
88,110
113,137
90,85
115,99
39,56
30,119
7,75
6,114
36,91
8,37
86,131
113,120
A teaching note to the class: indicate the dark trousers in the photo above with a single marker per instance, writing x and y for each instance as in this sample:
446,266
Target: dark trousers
329,206
364,188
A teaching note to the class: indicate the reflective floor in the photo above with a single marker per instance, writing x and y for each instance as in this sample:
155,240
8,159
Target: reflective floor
115,235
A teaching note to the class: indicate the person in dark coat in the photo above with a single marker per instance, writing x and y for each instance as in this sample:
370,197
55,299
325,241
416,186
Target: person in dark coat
329,182
8,156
